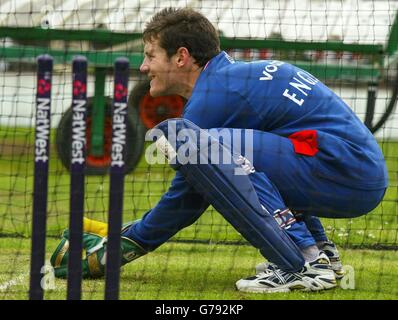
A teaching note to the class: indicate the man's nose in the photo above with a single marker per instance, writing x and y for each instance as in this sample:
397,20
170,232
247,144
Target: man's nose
144,68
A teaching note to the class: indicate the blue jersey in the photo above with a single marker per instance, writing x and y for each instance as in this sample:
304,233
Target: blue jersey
279,98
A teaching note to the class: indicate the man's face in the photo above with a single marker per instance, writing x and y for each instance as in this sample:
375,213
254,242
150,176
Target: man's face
161,70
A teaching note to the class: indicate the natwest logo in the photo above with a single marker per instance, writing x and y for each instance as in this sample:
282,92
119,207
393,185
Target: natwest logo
120,91
79,87
43,86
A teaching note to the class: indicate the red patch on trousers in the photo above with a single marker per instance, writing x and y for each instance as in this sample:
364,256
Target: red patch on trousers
305,142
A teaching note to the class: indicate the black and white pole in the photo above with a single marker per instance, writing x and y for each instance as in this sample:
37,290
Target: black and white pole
77,170
40,185
117,171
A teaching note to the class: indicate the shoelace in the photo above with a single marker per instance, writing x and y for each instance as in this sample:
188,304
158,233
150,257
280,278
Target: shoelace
279,273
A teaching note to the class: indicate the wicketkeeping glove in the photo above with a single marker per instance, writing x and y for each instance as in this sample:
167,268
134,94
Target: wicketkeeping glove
94,250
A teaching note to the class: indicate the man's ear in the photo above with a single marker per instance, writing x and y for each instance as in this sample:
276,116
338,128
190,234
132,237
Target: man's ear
182,57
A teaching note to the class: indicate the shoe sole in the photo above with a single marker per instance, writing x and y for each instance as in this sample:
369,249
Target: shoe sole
338,273
305,284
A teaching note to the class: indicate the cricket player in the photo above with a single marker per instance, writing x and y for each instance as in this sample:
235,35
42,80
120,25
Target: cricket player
302,154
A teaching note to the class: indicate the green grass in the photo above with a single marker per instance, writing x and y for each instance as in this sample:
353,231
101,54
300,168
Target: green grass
179,271
145,186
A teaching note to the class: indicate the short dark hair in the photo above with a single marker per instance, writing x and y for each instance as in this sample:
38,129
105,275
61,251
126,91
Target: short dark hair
184,27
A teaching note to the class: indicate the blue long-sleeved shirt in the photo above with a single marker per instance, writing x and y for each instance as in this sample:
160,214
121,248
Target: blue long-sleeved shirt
282,99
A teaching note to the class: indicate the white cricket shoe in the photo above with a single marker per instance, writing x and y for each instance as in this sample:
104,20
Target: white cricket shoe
330,250
315,276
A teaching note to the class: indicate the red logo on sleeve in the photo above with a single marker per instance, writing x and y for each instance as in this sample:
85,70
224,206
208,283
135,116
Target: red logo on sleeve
305,142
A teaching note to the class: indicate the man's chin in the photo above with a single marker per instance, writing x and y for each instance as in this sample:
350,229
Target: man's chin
155,93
